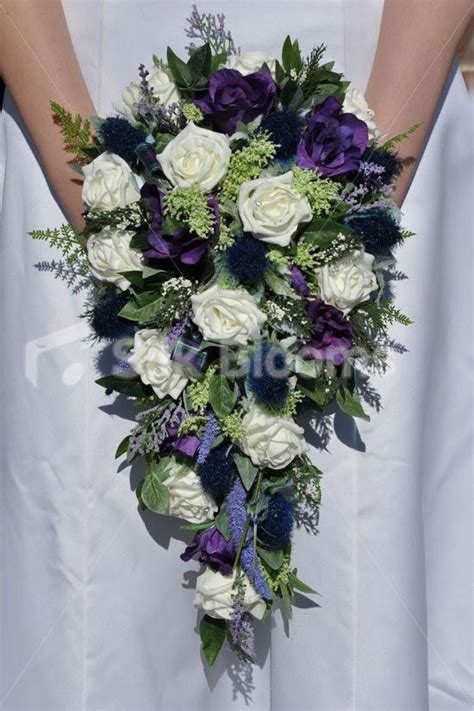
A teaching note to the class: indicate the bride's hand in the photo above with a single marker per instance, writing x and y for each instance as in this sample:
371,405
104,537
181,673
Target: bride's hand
417,44
38,64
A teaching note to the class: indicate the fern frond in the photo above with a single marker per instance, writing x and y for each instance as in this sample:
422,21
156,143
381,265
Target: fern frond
68,240
76,132
407,234
392,142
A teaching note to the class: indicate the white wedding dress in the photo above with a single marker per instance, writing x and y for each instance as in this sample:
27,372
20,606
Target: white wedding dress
96,612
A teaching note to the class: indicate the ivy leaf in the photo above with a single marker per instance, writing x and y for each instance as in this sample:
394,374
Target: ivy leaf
212,633
222,397
274,559
132,387
246,469
146,307
350,403
154,493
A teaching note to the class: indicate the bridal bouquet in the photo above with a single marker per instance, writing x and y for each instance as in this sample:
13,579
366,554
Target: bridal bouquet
239,250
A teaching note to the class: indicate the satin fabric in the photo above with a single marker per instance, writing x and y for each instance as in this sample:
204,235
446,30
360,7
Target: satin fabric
97,607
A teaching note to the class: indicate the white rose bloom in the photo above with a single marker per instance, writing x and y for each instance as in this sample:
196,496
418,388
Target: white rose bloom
215,595
196,156
164,88
271,441
109,183
355,103
250,62
348,282
130,96
109,254
151,359
187,499
271,210
229,316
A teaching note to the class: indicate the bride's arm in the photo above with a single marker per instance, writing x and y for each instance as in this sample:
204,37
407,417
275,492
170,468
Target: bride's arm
416,48
38,63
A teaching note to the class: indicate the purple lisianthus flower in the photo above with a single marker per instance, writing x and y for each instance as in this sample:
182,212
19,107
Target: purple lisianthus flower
333,142
332,333
182,245
232,97
212,548
298,281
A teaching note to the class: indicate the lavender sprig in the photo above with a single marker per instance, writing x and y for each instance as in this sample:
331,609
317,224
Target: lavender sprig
239,528
210,432
153,427
209,28
242,631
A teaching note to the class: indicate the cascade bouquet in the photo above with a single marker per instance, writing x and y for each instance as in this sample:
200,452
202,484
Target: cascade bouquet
239,245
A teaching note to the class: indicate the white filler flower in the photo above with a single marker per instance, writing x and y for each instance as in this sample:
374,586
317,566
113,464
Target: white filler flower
151,359
229,316
271,441
348,282
109,255
196,156
215,595
109,183
271,210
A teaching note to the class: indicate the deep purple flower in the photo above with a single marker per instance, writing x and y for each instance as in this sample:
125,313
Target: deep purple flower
298,281
188,444
182,245
232,97
213,549
333,142
332,333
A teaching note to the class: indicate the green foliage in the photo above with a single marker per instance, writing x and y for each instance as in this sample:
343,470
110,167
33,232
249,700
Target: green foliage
190,205
197,393
131,217
291,59
350,403
319,192
192,113
132,387
399,138
318,81
154,493
222,397
69,241
165,306
212,633
246,164
247,471
76,133
191,76
306,482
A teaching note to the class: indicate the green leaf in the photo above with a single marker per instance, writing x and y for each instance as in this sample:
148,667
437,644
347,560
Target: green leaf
200,63
135,278
123,447
321,232
154,493
286,54
218,60
221,522
179,69
246,469
212,633
350,403
133,387
274,559
139,241
287,600
222,397
146,307
298,584
197,526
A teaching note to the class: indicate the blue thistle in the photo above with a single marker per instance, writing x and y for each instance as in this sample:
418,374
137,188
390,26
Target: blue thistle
388,160
376,229
285,129
275,530
120,137
217,472
104,316
247,260
268,376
